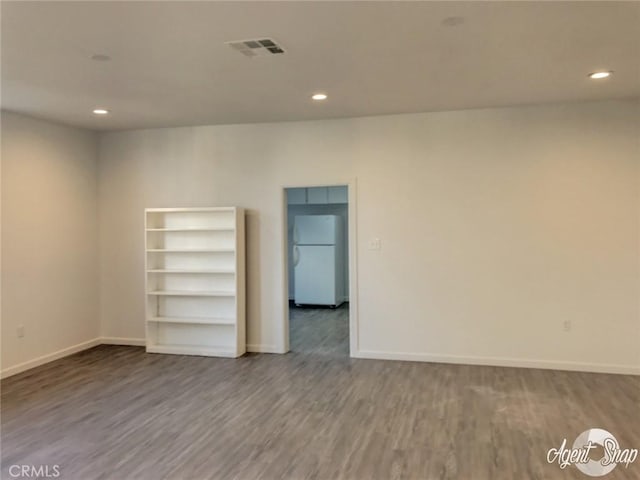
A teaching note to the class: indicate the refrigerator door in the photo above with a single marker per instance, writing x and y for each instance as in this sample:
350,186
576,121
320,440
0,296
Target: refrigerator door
315,275
315,229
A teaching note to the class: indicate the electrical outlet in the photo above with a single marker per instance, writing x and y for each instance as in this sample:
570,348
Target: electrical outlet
566,325
20,331
374,244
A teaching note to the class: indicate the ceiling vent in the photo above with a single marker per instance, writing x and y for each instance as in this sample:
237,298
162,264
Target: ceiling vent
257,48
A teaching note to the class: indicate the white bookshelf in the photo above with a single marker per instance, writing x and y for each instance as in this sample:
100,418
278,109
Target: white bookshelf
195,275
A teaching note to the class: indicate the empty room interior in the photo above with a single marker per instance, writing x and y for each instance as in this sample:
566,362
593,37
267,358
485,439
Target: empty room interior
320,240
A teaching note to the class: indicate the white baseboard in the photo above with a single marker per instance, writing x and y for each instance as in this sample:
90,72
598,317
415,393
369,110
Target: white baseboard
255,348
499,362
132,342
365,354
36,362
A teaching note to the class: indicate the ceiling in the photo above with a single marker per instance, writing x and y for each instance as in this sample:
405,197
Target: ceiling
170,65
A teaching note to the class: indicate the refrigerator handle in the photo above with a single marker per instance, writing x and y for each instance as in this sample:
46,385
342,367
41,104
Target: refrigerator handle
295,235
296,255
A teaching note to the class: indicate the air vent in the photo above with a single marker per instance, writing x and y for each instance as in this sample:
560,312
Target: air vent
258,47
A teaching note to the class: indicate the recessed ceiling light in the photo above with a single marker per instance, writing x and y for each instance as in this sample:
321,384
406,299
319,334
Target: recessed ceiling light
100,57
453,21
100,111
319,96
601,74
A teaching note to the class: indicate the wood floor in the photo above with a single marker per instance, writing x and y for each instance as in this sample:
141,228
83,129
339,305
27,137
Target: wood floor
319,331
118,413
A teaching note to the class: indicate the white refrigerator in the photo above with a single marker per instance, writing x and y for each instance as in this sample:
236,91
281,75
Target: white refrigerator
318,258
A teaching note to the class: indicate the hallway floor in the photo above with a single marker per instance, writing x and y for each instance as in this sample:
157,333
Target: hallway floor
319,331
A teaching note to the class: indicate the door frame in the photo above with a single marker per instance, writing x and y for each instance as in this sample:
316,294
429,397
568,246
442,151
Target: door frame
351,185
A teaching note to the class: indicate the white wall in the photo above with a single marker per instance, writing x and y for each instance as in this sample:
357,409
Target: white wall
49,240
340,209
497,226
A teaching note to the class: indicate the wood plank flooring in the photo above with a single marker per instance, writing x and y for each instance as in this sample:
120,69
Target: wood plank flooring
319,331
118,413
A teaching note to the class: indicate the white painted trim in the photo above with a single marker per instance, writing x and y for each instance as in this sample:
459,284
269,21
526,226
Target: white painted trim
364,354
500,362
257,348
36,362
354,335
132,342
353,261
285,271
190,209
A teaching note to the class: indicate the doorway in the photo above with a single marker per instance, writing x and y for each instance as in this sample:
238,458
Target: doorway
319,244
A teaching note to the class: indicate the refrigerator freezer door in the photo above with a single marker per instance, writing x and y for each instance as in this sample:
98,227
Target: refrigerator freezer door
315,229
315,276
